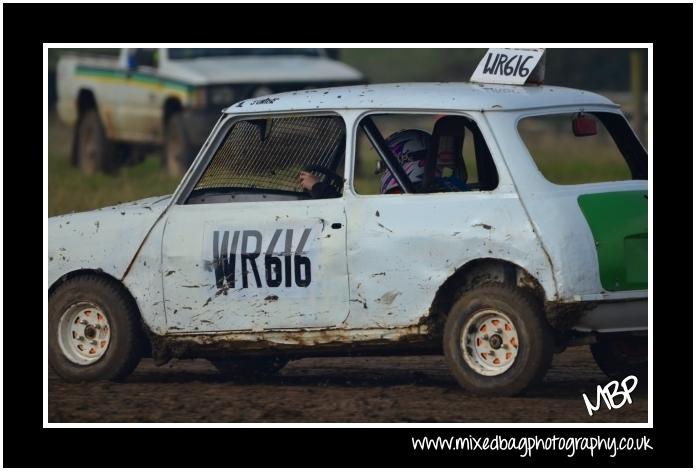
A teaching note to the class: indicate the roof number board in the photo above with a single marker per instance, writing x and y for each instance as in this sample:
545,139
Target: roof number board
507,66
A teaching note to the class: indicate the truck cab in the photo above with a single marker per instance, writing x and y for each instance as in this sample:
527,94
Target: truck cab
168,99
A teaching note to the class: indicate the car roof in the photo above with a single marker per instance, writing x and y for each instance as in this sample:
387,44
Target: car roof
426,96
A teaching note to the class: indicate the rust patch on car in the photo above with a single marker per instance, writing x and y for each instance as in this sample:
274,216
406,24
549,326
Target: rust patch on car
291,342
563,316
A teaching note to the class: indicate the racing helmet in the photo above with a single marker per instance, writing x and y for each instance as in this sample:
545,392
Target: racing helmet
410,147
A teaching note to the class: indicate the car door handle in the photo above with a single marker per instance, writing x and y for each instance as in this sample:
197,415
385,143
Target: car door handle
336,225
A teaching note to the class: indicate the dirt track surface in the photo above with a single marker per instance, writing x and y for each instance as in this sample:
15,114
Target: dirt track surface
368,389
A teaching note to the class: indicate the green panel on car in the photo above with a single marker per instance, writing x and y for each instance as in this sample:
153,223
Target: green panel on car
619,224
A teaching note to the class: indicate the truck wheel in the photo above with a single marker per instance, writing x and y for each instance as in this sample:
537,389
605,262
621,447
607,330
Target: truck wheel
621,356
249,367
94,330
178,150
94,151
497,341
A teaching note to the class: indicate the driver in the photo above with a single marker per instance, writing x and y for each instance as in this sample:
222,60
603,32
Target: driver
317,188
411,148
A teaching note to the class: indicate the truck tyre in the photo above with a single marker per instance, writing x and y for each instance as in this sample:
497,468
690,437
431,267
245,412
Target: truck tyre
95,153
249,367
94,330
178,150
620,356
497,341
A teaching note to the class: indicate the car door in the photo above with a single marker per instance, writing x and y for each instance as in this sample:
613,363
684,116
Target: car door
247,249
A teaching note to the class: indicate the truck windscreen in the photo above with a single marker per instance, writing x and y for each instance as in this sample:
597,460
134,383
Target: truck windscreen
181,53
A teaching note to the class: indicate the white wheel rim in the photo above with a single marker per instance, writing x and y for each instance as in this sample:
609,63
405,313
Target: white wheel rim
489,342
84,333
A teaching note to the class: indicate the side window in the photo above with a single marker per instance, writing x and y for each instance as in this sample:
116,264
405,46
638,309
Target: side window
576,148
438,153
261,160
146,57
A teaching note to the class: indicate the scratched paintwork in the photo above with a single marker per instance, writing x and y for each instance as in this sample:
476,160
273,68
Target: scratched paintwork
377,277
417,257
105,239
194,301
424,96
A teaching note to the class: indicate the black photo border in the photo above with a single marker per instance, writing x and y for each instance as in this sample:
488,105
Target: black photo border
26,27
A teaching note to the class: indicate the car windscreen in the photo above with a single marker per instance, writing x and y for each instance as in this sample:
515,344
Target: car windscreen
264,157
195,53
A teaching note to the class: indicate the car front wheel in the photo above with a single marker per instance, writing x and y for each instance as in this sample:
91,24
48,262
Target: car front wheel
94,330
497,341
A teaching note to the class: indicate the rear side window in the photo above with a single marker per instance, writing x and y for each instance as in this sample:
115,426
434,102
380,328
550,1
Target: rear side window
264,157
438,152
566,154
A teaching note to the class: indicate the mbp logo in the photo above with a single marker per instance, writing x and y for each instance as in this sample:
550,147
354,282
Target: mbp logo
609,393
238,252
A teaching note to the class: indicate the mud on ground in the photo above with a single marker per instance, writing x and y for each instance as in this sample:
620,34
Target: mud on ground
367,389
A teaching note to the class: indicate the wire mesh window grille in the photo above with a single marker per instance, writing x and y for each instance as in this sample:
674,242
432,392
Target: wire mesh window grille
268,154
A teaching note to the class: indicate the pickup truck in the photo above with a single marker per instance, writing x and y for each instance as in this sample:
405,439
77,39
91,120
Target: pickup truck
150,99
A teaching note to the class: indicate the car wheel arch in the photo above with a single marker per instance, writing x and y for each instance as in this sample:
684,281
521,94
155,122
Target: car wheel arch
89,271
475,273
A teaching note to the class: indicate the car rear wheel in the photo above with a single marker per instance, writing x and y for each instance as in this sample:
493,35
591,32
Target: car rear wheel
620,356
497,341
95,153
249,367
178,150
94,330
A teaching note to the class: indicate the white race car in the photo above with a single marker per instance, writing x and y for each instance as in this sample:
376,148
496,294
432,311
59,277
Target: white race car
493,256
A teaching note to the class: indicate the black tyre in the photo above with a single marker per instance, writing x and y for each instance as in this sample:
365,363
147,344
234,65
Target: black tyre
497,341
620,356
249,367
178,150
94,152
94,330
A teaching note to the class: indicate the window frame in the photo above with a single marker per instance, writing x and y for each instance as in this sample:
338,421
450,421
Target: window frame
219,134
480,123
